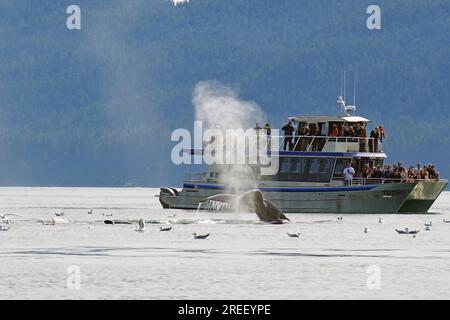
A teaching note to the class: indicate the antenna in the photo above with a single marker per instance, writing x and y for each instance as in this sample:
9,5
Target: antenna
344,84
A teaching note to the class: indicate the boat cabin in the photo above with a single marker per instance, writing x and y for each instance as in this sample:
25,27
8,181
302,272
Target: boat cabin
333,134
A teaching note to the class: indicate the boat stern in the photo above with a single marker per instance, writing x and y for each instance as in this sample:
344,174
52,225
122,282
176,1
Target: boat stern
167,196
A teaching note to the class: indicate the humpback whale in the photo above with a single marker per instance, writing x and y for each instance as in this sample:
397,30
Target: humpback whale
251,201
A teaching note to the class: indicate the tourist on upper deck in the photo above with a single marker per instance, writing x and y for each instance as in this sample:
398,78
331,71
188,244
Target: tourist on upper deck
341,130
351,131
348,172
346,130
362,139
374,136
288,136
334,131
268,131
381,133
303,139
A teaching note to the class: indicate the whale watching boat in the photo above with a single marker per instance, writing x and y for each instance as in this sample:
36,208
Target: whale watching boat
310,178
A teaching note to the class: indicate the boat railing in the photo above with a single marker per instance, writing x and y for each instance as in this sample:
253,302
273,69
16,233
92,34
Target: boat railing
332,143
203,178
372,181
195,177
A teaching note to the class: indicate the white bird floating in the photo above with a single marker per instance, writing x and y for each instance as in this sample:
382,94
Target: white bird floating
200,236
427,228
169,228
340,218
446,221
3,228
90,211
366,230
429,224
59,214
380,221
141,225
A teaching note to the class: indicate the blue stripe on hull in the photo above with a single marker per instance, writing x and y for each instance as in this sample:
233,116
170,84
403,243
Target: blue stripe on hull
286,189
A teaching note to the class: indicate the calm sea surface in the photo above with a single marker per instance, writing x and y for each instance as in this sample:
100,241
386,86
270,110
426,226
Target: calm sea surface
242,259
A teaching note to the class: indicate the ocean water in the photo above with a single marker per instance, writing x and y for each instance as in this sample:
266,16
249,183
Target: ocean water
82,258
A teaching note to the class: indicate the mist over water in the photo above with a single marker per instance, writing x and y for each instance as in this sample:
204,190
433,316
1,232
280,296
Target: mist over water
219,108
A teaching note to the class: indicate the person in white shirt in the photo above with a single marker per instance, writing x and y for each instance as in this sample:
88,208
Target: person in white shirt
349,172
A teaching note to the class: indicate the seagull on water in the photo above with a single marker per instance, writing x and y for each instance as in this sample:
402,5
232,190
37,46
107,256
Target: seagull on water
90,211
446,221
429,224
141,225
59,214
107,215
293,235
340,218
380,221
3,228
200,236
366,230
427,228
165,228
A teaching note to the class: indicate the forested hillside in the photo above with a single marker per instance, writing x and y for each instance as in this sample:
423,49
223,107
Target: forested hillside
96,106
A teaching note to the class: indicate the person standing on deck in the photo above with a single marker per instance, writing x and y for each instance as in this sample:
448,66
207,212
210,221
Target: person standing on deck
349,172
268,135
376,137
362,139
257,129
288,136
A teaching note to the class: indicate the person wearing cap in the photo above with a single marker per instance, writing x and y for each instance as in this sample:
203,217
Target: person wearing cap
288,135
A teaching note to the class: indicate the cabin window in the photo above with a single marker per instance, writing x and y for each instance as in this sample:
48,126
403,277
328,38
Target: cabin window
341,163
305,169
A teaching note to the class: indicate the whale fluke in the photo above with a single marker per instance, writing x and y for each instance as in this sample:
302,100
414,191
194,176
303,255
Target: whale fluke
251,201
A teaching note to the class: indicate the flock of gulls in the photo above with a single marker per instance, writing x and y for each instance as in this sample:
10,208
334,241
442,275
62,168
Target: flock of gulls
140,225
